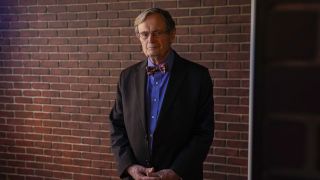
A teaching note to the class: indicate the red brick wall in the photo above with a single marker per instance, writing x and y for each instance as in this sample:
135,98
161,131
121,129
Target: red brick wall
59,65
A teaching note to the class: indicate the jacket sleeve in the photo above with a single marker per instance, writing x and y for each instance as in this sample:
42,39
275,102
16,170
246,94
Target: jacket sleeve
119,139
195,152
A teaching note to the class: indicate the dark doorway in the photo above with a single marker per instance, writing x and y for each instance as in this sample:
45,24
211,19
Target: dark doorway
285,91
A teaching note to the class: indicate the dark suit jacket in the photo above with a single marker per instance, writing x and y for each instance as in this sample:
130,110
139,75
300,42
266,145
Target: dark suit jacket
184,131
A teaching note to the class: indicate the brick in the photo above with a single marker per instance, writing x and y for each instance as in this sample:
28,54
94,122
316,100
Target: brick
48,33
239,56
86,32
77,24
59,72
70,94
215,2
189,21
36,9
68,48
67,33
23,100
227,10
69,80
238,109
28,2
48,108
90,171
129,14
62,175
109,32
237,144
48,64
202,30
239,19
81,162
118,6
214,20
61,146
43,130
119,23
31,93
57,41
11,99
119,56
46,2
118,40
239,38
61,131
91,141
202,11
60,86
69,139
80,117
76,8
201,48
38,41
239,2
213,56
14,107
96,7
226,47
89,110
58,24
227,169
19,25
40,86
246,9
47,17
189,3
228,29
84,148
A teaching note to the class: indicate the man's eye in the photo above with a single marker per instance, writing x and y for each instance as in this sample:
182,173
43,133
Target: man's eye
144,34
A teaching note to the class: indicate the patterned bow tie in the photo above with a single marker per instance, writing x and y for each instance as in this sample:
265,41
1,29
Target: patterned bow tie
153,69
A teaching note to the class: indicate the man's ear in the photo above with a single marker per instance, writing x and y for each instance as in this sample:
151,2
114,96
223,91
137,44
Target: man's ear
172,36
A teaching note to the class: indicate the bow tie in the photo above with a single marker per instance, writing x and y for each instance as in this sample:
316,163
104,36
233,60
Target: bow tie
153,69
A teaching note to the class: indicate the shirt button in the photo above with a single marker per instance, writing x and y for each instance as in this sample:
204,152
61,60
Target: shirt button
157,83
152,117
154,99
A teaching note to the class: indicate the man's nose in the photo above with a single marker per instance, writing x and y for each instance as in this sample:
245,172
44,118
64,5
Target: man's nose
151,37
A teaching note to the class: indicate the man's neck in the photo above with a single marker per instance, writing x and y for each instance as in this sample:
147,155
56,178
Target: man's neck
159,60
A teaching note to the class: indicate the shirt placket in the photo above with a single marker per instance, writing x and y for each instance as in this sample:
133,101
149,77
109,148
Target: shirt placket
155,103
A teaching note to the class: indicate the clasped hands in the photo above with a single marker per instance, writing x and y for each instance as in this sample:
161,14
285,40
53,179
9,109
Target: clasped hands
142,173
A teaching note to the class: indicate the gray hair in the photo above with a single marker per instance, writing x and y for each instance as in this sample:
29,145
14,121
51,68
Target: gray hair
170,24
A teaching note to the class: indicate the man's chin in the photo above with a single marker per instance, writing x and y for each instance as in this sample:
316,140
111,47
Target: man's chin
153,54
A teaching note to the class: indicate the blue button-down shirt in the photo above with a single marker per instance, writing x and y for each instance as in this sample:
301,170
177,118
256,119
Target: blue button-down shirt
156,88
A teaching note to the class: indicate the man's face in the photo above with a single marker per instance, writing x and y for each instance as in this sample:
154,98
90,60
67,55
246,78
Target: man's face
154,39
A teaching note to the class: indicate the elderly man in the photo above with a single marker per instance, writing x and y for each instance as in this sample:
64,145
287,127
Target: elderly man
162,119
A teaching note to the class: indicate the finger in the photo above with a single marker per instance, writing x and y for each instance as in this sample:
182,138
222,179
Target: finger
150,178
153,174
149,171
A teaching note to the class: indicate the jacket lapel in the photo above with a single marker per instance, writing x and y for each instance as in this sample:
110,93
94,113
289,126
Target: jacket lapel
175,82
140,81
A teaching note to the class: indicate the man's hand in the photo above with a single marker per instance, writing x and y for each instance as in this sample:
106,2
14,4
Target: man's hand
138,172
166,174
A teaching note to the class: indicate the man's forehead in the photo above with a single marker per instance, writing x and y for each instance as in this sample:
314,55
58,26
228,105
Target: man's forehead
152,21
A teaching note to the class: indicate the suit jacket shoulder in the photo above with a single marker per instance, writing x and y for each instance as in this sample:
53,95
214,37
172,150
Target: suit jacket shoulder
135,68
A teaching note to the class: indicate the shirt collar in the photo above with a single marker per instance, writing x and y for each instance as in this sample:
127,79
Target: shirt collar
169,59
